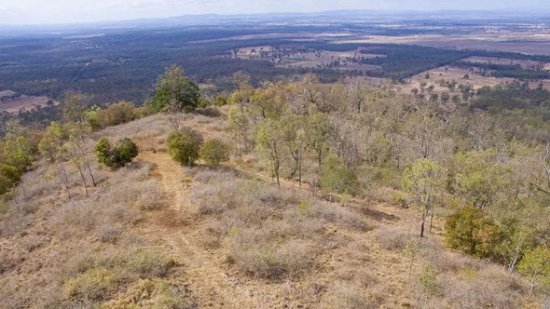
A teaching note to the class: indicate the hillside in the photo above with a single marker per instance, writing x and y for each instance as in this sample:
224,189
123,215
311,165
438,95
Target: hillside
156,235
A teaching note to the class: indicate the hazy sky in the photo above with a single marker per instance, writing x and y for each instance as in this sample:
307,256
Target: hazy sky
69,11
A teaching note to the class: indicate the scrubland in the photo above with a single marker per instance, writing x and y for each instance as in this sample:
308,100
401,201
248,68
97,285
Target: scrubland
156,235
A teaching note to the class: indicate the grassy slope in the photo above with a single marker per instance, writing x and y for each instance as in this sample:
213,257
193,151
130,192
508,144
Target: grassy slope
225,239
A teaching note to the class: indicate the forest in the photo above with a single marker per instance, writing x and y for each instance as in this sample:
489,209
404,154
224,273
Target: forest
122,64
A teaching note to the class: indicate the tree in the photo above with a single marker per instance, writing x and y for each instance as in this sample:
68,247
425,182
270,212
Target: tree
115,157
337,177
214,152
536,264
73,107
470,230
175,92
318,131
183,146
424,181
294,137
239,125
269,141
52,148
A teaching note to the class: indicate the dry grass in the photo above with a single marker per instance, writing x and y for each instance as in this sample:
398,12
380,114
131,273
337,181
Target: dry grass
152,237
59,253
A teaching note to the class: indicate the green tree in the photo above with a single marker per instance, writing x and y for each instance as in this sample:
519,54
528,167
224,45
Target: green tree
183,146
336,176
239,125
126,151
536,265
294,137
318,132
269,141
115,157
424,181
470,230
52,148
175,92
214,152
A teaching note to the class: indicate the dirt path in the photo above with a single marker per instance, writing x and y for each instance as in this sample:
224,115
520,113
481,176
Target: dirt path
209,283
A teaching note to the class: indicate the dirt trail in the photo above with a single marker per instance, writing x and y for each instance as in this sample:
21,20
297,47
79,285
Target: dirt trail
209,283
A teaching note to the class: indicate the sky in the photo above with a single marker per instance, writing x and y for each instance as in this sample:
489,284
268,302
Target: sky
26,12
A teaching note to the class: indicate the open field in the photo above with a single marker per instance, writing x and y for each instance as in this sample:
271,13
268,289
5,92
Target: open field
24,103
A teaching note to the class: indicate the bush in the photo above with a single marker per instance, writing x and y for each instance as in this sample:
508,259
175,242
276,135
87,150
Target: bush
184,146
337,177
113,115
124,152
472,231
148,263
536,265
156,293
214,152
95,284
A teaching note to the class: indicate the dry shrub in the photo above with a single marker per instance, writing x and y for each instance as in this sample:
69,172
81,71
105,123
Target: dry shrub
266,232
95,284
491,288
109,233
152,294
345,295
395,238
149,263
289,260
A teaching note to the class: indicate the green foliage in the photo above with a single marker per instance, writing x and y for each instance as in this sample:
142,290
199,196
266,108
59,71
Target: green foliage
126,151
239,124
184,146
337,177
214,152
424,181
115,157
477,178
536,264
175,92
471,231
269,142
16,156
148,263
51,144
429,283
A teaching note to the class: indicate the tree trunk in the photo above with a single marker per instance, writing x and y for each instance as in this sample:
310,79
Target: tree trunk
64,178
82,178
423,225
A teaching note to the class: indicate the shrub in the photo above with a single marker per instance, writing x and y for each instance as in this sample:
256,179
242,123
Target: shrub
113,115
184,146
214,152
148,263
95,284
472,231
337,177
536,265
123,153
149,293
